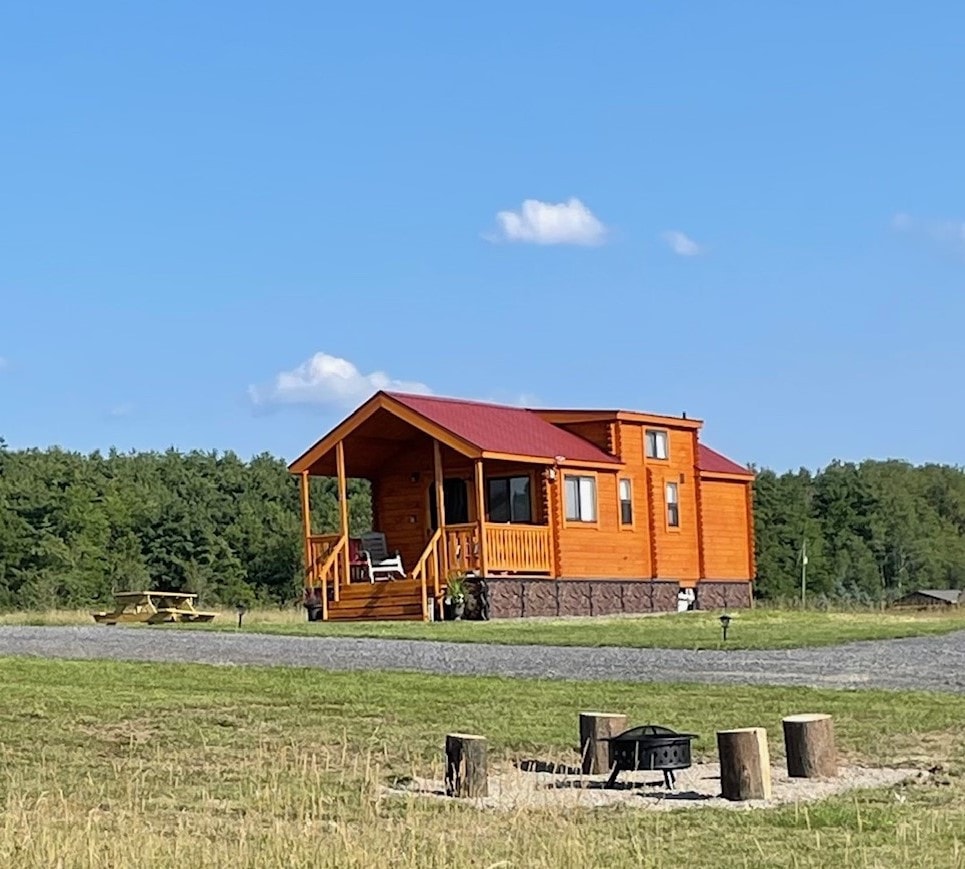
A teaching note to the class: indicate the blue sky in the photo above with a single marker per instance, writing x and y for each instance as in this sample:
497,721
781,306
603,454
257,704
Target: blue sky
217,220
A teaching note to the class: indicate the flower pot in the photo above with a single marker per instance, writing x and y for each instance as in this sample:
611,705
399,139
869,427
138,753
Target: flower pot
452,610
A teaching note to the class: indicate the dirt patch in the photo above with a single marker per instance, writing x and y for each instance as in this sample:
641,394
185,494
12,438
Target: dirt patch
512,788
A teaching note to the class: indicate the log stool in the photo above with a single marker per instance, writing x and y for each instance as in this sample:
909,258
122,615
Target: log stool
745,764
466,766
809,745
596,728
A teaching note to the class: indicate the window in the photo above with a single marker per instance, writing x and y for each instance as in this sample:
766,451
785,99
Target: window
626,503
580,499
509,499
656,444
673,506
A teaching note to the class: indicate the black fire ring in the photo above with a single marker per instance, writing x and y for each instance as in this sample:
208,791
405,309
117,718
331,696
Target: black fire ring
650,747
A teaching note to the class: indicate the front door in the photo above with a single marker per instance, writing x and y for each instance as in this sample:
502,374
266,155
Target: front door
456,498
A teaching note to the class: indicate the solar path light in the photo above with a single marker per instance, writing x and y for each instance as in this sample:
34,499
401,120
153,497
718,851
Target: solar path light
725,624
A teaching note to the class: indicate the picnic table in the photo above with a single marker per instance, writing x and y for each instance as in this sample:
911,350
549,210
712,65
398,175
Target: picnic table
153,607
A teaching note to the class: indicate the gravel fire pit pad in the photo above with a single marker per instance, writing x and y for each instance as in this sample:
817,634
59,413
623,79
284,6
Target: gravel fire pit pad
540,786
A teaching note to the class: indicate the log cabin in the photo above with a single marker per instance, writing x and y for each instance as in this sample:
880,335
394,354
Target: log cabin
557,512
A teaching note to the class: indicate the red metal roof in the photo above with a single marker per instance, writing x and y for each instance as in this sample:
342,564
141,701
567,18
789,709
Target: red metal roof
496,428
711,460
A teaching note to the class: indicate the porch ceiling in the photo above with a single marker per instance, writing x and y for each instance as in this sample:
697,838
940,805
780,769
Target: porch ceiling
374,444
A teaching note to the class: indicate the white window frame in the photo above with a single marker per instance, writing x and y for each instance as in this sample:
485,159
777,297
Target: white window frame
671,495
585,508
660,437
621,482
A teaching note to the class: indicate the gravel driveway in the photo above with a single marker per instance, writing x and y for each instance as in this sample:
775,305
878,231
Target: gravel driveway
936,663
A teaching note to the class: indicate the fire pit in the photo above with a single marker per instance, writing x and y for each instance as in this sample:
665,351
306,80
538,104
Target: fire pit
649,747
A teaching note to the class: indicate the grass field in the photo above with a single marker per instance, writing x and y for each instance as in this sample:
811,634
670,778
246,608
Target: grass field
117,764
751,629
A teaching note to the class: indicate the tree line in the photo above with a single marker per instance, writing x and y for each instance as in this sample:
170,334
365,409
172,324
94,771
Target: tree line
874,530
75,528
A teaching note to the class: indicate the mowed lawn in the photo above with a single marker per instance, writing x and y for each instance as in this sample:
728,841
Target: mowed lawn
749,629
761,628
110,764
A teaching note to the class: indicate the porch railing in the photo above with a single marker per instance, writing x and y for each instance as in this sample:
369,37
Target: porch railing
510,548
428,571
462,546
519,548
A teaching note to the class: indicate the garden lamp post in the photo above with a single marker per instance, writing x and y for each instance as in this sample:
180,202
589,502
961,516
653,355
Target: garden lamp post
240,609
725,624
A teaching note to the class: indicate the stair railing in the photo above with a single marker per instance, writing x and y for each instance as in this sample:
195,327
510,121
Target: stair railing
429,568
331,569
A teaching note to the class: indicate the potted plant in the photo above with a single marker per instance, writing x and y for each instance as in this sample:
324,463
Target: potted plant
455,600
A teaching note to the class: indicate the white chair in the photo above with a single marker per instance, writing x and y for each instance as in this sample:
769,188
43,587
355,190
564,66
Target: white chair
376,560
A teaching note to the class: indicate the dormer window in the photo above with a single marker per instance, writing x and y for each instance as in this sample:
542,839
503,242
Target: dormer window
656,444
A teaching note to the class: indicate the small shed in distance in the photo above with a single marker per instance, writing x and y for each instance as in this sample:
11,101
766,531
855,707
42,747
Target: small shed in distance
932,597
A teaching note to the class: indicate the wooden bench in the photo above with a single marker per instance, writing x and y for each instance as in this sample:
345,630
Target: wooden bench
153,607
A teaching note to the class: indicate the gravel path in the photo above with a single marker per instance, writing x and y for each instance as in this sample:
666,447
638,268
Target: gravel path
935,663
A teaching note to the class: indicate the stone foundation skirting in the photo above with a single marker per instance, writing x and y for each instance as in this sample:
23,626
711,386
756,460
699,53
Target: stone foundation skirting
723,595
521,597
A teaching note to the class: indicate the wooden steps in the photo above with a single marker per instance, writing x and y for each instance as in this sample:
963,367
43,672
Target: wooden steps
392,600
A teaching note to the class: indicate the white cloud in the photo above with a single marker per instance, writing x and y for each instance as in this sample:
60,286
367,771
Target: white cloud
901,221
681,243
550,223
950,233
328,380
3,363
121,410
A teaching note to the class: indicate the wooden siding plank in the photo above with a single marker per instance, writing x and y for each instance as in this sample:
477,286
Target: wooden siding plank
726,554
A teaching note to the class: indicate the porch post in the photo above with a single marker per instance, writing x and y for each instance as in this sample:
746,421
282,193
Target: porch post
342,511
440,504
481,516
307,528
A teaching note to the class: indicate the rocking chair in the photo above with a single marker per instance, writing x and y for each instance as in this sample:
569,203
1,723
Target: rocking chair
376,561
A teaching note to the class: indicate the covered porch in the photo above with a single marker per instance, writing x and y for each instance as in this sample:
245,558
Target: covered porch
441,505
